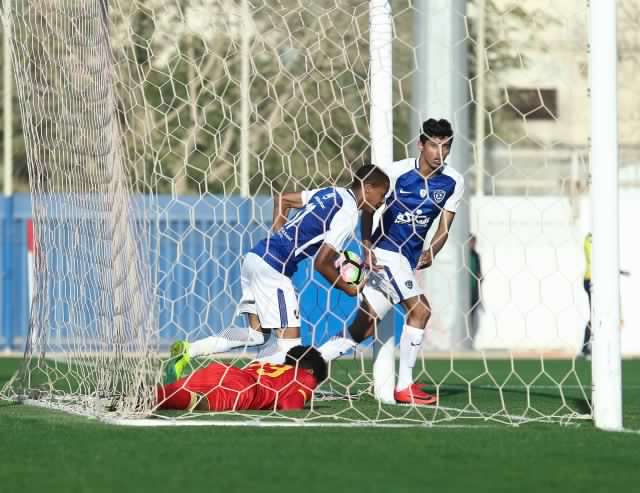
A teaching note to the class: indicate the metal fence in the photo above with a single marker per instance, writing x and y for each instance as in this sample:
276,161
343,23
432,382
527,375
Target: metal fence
197,248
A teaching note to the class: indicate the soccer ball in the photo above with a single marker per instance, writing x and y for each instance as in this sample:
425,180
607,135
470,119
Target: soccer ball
350,266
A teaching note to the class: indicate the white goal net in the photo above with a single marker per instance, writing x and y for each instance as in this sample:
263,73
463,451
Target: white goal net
158,132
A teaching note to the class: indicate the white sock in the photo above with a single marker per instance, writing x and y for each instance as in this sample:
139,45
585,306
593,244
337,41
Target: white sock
336,347
231,338
410,343
276,353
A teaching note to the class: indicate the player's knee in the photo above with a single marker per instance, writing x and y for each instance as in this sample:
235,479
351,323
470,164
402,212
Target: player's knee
362,326
419,316
358,331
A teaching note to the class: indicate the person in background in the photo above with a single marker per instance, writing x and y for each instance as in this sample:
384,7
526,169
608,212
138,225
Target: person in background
586,342
475,284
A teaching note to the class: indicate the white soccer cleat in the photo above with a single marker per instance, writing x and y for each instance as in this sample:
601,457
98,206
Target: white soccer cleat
336,347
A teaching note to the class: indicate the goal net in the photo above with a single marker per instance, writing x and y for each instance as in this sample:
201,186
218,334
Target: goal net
158,132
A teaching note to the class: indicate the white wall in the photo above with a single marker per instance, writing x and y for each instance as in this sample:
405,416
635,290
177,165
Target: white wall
533,262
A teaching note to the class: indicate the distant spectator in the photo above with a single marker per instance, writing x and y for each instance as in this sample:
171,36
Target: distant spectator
475,278
586,343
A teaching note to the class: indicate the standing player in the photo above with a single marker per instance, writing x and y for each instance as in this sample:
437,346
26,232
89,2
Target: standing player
475,284
219,387
422,190
326,219
586,343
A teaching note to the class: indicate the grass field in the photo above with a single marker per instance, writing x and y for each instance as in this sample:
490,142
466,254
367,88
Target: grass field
55,452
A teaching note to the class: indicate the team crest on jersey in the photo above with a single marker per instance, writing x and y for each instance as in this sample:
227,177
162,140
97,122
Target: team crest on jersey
409,284
439,195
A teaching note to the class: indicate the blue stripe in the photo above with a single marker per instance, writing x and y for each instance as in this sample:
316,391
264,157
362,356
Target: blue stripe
393,282
284,322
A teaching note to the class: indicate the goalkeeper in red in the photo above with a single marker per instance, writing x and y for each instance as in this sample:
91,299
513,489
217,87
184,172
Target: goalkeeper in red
259,386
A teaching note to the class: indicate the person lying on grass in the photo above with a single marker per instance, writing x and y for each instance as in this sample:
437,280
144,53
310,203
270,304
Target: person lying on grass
258,386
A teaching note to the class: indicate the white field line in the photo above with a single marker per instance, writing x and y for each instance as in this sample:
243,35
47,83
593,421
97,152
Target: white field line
153,422
148,422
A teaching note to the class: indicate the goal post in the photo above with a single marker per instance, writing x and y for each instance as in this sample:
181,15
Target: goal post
381,69
607,380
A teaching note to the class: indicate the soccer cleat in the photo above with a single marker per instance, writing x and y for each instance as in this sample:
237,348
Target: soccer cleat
414,394
179,348
178,361
336,347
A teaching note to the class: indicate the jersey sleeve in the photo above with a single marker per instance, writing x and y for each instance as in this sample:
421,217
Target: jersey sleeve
307,194
451,204
342,226
398,168
294,400
298,392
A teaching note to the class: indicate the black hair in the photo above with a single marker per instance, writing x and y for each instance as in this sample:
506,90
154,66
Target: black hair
308,358
436,128
369,174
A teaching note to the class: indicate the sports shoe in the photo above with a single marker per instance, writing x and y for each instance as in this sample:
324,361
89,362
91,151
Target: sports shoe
179,348
178,361
336,347
414,394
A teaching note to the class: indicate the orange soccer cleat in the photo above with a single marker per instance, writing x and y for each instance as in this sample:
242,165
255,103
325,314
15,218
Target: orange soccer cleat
414,394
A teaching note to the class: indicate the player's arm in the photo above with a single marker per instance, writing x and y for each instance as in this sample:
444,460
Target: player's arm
438,241
342,227
366,228
325,265
296,400
444,226
283,203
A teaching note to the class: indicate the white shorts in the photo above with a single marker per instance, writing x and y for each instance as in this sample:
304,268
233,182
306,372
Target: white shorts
268,294
392,285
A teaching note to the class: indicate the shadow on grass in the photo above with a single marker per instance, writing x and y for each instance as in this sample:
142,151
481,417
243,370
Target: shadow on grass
577,403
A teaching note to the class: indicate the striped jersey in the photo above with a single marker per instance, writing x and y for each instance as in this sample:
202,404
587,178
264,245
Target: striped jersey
329,215
412,206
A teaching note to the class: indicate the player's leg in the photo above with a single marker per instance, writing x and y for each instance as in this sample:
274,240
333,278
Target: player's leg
183,393
175,396
418,313
181,352
417,316
233,337
276,303
228,339
363,326
378,297
404,283
586,343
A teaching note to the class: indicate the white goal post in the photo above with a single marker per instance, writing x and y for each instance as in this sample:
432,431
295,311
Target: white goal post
607,379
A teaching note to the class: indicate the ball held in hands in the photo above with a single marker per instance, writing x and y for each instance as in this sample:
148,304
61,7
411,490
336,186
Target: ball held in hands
349,264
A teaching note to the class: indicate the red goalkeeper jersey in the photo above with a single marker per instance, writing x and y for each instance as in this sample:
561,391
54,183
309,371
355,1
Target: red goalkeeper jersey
227,388
280,386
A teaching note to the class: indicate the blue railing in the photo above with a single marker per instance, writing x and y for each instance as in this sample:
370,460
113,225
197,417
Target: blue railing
198,245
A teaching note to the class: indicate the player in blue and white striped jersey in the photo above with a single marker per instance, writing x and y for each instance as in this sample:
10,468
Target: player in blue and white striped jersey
423,191
327,217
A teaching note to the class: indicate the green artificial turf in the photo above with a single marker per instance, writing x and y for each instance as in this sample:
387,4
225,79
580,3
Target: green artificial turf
49,451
